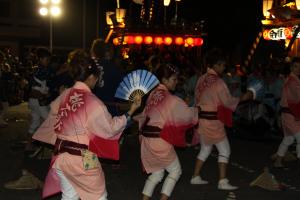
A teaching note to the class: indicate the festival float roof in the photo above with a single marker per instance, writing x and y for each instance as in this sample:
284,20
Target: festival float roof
153,27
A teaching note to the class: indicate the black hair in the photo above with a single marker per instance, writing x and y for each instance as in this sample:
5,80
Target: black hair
214,56
81,66
99,48
166,70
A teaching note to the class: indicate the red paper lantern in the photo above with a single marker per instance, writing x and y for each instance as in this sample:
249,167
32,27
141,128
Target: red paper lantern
129,39
189,41
179,41
168,40
138,39
148,40
158,40
198,41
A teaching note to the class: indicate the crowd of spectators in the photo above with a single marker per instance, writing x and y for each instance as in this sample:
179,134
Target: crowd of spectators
16,74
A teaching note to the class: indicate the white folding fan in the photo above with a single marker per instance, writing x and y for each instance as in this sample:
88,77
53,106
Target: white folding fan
256,87
137,82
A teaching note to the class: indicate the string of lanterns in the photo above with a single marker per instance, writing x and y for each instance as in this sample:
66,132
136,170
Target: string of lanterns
159,40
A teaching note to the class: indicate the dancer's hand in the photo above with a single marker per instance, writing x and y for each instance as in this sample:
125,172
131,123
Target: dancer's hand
247,96
135,105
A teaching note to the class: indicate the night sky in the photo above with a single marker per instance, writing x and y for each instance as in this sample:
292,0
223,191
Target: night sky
230,25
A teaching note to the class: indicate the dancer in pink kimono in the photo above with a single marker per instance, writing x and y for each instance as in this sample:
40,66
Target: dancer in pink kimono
290,109
216,105
81,129
163,124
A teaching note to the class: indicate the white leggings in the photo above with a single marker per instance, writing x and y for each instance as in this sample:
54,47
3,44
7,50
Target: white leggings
37,112
68,192
288,141
174,170
223,148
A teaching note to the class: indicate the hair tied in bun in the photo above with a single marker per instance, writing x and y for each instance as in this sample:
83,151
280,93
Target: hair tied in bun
172,68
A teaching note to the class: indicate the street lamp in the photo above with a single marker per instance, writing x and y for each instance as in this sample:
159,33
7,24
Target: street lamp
52,9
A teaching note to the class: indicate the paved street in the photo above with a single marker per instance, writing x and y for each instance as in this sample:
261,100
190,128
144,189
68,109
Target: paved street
249,157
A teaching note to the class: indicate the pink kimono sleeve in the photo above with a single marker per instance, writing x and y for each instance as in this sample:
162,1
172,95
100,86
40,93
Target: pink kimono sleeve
179,117
45,133
101,123
104,130
228,104
225,97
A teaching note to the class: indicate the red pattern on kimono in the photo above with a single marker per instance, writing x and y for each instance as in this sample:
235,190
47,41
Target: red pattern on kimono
79,116
291,99
208,81
224,114
172,115
212,95
174,129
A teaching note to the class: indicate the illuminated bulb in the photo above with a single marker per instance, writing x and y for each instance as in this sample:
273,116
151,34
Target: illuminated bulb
43,1
55,11
138,39
43,11
167,2
55,1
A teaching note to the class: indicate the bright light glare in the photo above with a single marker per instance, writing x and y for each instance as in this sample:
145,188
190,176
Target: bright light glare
43,11
167,2
43,1
55,1
55,11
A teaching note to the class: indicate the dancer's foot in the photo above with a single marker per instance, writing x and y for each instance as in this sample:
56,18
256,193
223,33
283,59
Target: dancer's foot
225,185
197,180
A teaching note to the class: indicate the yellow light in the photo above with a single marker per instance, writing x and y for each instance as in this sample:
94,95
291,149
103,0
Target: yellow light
189,41
148,40
138,39
267,5
116,41
298,4
167,2
55,11
43,11
168,40
43,1
158,40
266,22
179,40
287,42
108,19
55,1
120,15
